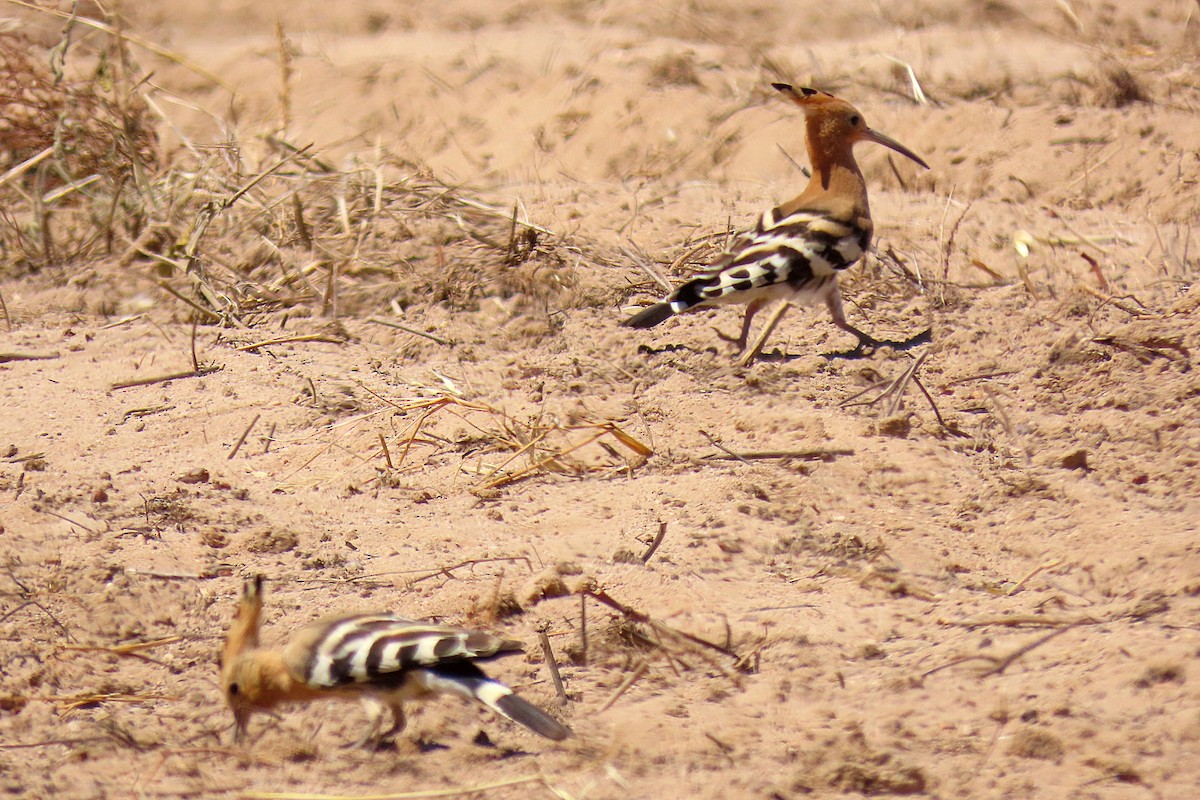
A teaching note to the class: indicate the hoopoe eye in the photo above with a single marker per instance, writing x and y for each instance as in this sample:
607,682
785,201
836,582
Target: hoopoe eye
233,689
855,119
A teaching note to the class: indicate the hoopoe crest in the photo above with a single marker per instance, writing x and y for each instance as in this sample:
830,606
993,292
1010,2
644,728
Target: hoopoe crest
382,659
796,251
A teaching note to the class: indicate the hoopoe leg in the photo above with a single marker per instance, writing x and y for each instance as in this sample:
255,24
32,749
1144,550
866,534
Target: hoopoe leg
751,354
376,711
398,720
751,310
834,301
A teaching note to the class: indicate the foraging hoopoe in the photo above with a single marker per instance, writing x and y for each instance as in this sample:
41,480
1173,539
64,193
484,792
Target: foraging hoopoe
381,658
797,250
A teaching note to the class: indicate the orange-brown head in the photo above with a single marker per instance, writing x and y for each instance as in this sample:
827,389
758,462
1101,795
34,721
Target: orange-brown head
834,127
248,675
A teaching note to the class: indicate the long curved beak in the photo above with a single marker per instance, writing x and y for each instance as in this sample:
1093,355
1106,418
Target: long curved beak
887,141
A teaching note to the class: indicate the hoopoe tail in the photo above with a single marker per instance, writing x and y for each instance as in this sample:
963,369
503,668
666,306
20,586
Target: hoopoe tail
650,316
687,296
522,712
468,680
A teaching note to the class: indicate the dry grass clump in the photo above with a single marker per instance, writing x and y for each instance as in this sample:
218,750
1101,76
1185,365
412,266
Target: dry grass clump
237,228
1034,743
90,130
675,69
71,152
1117,87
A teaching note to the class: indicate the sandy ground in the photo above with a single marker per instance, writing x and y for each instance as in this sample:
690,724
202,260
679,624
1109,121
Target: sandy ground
983,584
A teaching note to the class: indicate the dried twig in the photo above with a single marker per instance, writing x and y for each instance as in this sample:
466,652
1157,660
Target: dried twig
583,634
642,263
658,540
1019,621
417,795
629,681
815,454
1054,564
131,650
413,331
6,357
446,571
133,39
174,376
1001,663
892,388
917,93
303,337
242,439
52,742
387,454
715,443
949,246
902,384
646,619
936,413
552,664
1005,662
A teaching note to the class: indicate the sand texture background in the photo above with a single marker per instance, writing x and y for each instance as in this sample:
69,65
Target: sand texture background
966,570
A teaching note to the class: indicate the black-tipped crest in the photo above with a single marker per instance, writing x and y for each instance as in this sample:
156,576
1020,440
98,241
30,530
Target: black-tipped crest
804,91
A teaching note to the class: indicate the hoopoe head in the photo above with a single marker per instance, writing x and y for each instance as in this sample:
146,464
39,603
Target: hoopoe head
834,126
245,674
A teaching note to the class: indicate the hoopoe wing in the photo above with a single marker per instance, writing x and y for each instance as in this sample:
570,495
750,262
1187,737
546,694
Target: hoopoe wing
385,653
381,648
786,255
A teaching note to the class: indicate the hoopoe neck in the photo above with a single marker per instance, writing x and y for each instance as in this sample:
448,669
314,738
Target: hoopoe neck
265,681
836,188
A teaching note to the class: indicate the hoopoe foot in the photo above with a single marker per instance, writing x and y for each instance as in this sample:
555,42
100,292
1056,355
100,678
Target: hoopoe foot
866,347
373,740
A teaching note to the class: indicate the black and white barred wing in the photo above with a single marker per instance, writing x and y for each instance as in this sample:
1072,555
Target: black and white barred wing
788,256
380,649
388,654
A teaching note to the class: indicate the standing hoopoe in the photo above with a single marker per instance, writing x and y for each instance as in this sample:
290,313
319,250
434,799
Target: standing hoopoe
380,658
798,249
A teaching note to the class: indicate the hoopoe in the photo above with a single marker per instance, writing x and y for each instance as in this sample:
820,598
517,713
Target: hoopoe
797,250
382,659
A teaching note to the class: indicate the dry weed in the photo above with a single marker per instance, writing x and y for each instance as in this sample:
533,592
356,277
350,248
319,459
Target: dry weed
84,181
72,152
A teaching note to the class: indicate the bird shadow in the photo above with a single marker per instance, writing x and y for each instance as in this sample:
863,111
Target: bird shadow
647,350
862,351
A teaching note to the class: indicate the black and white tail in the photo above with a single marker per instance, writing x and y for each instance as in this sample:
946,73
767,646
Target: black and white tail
469,681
